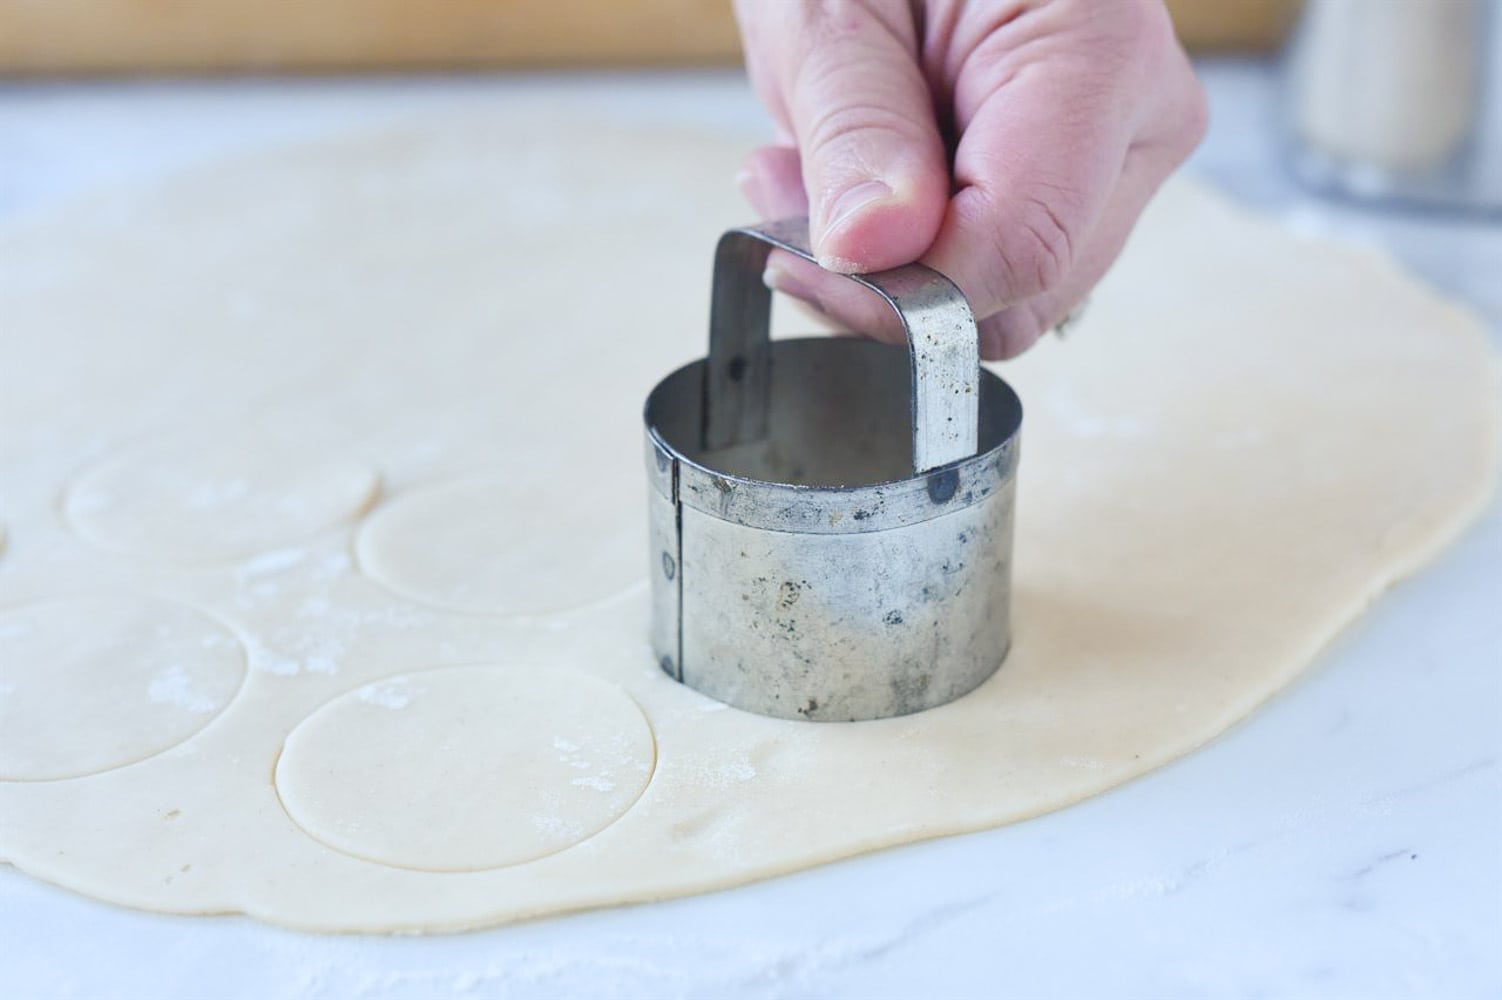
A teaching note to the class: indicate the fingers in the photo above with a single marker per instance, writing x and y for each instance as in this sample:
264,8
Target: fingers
1008,333
771,179
1070,116
1035,169
772,183
836,298
1166,123
845,82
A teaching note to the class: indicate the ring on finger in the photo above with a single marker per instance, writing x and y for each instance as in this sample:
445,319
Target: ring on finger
1071,318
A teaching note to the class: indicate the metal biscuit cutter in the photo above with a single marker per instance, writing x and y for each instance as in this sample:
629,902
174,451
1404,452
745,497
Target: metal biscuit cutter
830,517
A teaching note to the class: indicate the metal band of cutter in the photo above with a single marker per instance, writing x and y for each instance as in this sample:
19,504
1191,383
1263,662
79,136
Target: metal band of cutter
818,552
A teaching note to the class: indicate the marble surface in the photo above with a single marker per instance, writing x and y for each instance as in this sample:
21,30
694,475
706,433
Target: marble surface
1345,841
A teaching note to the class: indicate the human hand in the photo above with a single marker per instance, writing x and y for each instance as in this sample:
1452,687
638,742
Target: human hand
1009,144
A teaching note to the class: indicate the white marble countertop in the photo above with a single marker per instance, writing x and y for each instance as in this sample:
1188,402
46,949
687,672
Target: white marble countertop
1345,841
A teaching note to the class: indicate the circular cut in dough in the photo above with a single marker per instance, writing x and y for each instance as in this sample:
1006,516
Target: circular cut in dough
89,684
466,768
204,497
499,545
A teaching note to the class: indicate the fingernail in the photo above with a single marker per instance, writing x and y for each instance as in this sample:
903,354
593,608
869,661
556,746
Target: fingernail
840,265
744,179
852,202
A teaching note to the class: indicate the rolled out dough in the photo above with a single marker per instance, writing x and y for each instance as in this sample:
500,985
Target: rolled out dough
234,491
141,676
1251,436
444,546
466,768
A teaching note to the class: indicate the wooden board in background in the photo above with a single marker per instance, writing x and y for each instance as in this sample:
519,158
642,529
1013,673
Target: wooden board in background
214,36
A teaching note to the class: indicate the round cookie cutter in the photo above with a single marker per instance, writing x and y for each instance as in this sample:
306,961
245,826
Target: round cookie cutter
830,517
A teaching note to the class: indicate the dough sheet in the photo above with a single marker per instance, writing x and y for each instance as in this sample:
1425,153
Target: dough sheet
322,594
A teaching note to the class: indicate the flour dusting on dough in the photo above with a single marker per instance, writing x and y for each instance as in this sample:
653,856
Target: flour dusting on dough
390,694
596,781
269,661
172,687
276,561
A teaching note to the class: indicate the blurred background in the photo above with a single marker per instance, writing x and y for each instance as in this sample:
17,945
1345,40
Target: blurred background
1388,101
217,36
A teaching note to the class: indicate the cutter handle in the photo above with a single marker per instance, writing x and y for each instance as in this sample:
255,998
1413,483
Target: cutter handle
941,335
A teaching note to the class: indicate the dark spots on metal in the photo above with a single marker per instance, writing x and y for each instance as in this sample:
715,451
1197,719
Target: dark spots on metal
909,689
874,509
943,484
669,566
809,707
788,594
893,618
667,667
722,484
962,537
736,369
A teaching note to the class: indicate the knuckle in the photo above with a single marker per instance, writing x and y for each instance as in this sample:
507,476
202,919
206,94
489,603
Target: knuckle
835,21
1037,248
1195,120
1182,118
827,21
838,123
1021,249
1180,108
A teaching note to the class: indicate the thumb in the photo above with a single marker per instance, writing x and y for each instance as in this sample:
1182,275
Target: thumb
859,109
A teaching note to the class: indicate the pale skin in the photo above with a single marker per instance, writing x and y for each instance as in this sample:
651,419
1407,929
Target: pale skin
1009,144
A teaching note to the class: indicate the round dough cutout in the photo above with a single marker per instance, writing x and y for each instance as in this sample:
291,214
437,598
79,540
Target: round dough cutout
90,684
466,768
198,497
497,545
